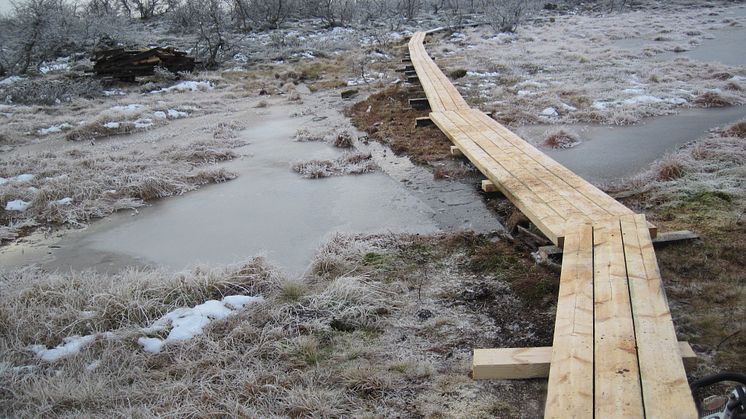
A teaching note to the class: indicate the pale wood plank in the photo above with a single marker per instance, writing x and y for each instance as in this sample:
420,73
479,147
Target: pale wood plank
523,363
570,392
665,388
616,374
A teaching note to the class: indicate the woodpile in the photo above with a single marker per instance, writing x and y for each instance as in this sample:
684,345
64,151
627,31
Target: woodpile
127,64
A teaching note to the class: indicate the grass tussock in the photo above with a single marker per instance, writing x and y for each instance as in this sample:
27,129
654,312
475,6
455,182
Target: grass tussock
351,163
669,168
712,100
560,139
80,184
736,130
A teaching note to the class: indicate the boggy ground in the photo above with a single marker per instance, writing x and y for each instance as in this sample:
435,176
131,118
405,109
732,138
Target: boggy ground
383,326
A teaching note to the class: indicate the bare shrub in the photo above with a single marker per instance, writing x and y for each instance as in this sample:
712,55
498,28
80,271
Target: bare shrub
303,135
52,91
506,15
711,100
560,139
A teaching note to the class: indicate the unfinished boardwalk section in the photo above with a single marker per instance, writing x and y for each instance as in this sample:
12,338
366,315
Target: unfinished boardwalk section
615,352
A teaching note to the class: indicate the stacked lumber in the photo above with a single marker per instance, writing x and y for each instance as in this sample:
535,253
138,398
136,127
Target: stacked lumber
126,64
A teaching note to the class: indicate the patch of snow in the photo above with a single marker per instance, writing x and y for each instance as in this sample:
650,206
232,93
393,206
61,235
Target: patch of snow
642,99
240,58
54,129
634,91
525,93
93,365
159,115
112,125
187,323
26,177
63,201
738,78
186,86
17,205
10,80
3,181
601,104
143,123
114,92
549,112
531,83
485,74
676,100
174,114
60,64
70,346
567,107
133,107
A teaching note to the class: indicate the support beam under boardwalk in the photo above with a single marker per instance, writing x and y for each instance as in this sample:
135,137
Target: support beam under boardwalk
523,363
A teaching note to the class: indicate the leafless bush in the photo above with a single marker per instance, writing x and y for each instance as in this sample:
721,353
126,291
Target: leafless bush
506,15
48,91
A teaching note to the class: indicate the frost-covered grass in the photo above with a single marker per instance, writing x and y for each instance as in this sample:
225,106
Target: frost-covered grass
350,163
588,68
79,184
381,325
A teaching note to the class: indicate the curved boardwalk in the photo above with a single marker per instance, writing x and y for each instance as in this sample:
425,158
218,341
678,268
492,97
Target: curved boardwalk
615,352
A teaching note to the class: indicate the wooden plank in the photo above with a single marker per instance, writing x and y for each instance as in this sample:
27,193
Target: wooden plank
489,187
455,151
523,363
617,391
665,387
570,392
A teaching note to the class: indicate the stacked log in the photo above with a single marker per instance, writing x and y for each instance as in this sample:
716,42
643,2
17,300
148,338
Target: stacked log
127,64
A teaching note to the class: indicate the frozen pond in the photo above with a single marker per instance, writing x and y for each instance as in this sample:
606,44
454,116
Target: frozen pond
268,210
609,153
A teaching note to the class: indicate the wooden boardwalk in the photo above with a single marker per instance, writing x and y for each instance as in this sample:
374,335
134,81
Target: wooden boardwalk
615,352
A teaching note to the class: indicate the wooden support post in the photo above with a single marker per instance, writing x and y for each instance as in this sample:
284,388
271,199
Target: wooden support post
522,363
413,80
406,60
489,187
455,151
410,73
408,68
419,103
423,122
663,239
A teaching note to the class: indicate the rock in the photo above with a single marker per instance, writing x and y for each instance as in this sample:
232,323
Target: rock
550,112
346,94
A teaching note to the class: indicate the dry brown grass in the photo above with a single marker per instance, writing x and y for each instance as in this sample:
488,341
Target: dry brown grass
351,163
560,139
669,168
737,130
712,100
391,121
